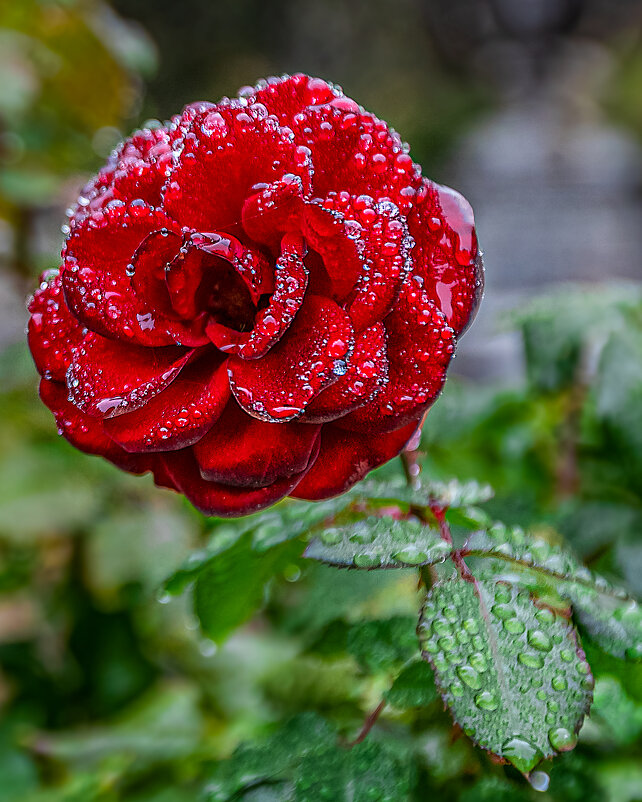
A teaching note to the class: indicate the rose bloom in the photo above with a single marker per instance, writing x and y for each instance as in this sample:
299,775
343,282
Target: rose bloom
258,299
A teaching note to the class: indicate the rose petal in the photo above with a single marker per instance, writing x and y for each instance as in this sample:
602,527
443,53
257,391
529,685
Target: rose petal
86,433
446,255
136,170
244,452
52,330
179,415
214,498
271,323
108,378
366,376
346,457
96,281
273,211
420,346
231,148
310,357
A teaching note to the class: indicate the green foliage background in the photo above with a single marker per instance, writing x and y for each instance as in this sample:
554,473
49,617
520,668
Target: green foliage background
245,675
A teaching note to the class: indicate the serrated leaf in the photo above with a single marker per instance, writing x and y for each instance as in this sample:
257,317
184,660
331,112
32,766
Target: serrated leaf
231,587
614,624
379,543
513,544
381,644
413,687
512,674
452,493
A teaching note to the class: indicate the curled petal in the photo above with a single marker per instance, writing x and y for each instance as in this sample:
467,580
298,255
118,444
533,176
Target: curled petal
273,210
96,267
52,330
346,457
108,378
244,452
365,378
271,323
179,415
446,256
86,433
181,471
311,356
420,346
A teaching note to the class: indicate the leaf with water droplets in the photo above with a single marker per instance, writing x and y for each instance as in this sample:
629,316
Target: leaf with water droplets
449,494
511,673
513,544
614,624
379,543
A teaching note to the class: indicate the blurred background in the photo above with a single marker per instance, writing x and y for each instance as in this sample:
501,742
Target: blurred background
533,110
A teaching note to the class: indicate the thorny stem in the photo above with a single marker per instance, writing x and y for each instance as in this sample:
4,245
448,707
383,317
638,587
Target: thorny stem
457,555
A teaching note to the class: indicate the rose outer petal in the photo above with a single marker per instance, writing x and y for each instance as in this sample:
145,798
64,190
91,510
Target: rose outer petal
86,433
108,378
346,457
311,356
52,330
446,255
244,452
181,414
217,498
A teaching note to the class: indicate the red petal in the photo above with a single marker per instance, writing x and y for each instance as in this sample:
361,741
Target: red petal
136,170
227,151
285,97
108,378
420,346
273,211
180,414
214,498
244,452
366,376
446,255
97,287
271,323
52,330
346,457
86,433
310,357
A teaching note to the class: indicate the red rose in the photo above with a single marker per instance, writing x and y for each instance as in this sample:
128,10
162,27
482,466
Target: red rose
259,299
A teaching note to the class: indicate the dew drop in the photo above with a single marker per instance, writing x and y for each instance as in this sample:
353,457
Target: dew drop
514,626
539,781
470,677
521,753
530,660
562,739
486,700
559,683
539,640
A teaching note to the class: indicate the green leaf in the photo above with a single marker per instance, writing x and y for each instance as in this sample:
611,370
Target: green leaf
515,545
383,644
426,493
379,543
614,624
270,759
414,687
231,587
512,674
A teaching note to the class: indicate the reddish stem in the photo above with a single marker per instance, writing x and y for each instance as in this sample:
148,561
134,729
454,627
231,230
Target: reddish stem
457,555
369,723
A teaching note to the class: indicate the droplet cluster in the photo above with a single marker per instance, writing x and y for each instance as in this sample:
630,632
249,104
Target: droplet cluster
511,672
